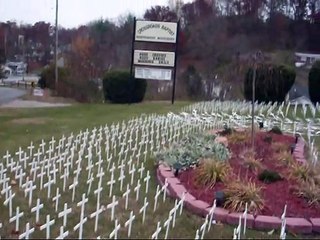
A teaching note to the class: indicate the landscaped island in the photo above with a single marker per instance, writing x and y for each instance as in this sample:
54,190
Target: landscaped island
224,166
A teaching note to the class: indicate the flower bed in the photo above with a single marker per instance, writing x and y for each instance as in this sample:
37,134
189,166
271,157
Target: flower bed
276,195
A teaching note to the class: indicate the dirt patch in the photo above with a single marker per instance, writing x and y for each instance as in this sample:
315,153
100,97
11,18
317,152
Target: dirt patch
35,121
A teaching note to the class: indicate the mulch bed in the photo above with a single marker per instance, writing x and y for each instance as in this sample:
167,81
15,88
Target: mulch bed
276,195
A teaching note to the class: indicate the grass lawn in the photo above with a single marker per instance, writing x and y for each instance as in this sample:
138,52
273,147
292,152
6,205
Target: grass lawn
18,127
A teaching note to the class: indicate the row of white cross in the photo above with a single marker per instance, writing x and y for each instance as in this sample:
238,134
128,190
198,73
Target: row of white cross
58,166
117,150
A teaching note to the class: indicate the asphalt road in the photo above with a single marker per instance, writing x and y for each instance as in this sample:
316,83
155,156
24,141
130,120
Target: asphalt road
10,94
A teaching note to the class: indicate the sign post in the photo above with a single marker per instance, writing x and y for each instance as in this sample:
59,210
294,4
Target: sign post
154,65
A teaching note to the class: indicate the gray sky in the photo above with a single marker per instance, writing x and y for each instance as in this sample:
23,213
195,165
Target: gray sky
72,13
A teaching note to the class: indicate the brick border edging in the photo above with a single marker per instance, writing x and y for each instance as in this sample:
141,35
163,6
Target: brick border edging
261,222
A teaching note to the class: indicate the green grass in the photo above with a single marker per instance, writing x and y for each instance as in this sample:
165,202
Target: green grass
20,127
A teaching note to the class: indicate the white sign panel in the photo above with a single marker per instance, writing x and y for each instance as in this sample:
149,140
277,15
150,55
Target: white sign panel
38,92
151,31
154,58
153,73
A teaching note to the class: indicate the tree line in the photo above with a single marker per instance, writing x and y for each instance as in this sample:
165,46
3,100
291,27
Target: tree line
216,38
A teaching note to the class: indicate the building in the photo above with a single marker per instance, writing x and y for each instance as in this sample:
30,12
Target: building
306,59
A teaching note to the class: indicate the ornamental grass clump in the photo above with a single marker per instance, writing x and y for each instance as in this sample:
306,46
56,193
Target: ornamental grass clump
310,191
238,137
285,158
211,171
238,193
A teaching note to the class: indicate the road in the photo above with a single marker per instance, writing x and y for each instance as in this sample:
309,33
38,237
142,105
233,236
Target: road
10,94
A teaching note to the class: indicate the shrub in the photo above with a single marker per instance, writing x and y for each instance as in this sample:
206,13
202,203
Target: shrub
267,139
47,77
226,131
120,87
314,82
238,137
310,191
276,130
239,193
269,176
192,148
280,147
285,158
300,172
253,164
211,171
272,84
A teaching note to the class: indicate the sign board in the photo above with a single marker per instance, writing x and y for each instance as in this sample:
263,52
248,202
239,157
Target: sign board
152,31
38,92
153,73
154,58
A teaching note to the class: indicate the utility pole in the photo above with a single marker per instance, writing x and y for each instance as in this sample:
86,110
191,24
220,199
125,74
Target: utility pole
256,59
56,48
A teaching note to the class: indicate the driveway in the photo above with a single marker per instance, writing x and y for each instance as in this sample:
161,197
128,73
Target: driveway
10,94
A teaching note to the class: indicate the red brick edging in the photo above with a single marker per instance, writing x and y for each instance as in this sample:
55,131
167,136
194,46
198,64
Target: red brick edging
176,189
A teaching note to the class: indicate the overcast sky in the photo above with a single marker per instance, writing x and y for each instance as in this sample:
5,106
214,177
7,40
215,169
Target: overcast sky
72,13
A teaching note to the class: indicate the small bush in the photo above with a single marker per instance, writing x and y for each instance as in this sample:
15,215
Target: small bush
248,153
226,131
285,158
239,193
276,130
314,82
310,191
253,164
280,147
120,87
238,137
269,176
211,171
193,148
300,172
267,139
47,77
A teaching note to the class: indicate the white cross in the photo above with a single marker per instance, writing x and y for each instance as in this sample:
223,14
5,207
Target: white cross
111,182
141,170
7,156
83,219
112,206
56,199
114,233
19,153
47,226
27,233
64,176
48,185
144,209
96,215
9,200
164,189
167,225
173,212
31,147
16,218
63,234
30,190
211,212
66,211
146,180
283,224
129,223
73,187
131,172
20,177
37,209
204,227
158,192
156,233
24,159
137,190
89,182
126,194
121,178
